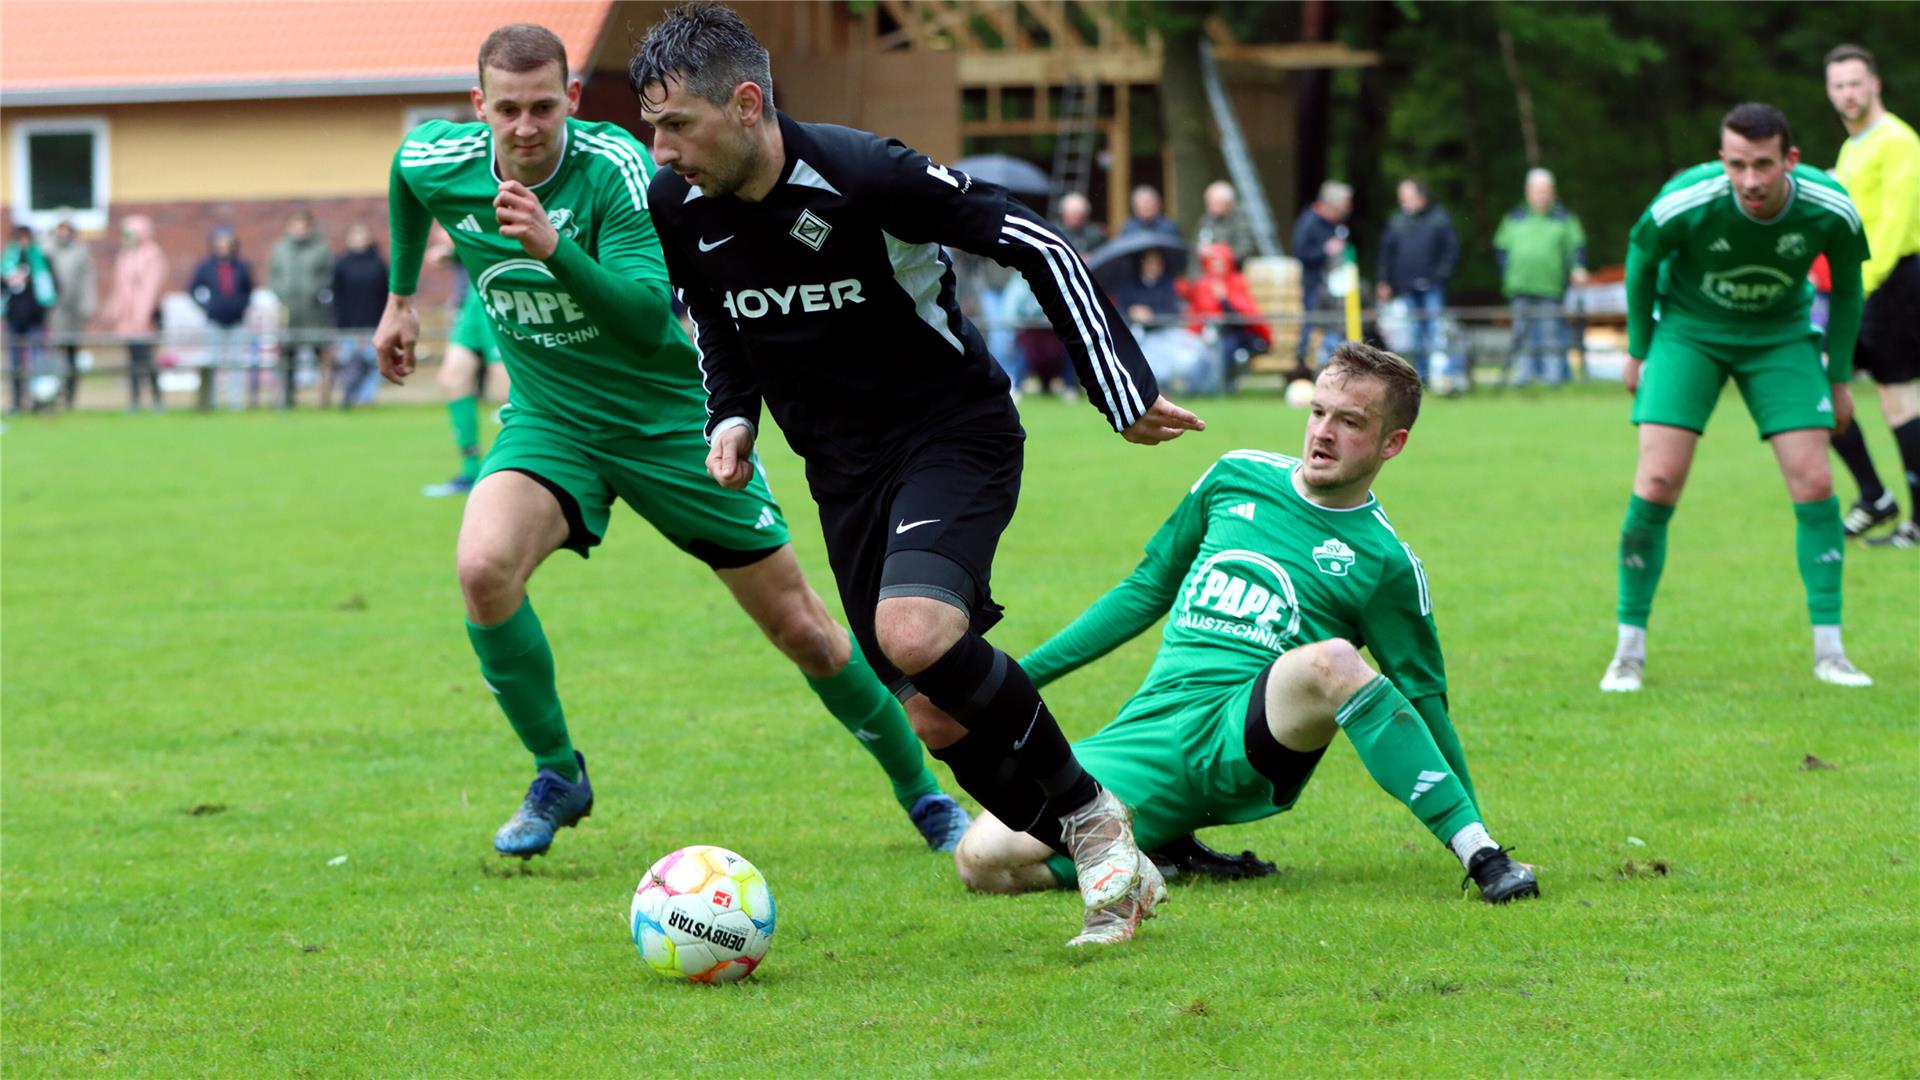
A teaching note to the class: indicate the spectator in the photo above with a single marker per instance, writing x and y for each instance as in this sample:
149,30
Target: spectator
222,285
299,274
133,311
1148,296
1147,217
1418,254
359,288
1151,303
1319,242
79,295
1041,349
31,293
1221,297
1077,224
1225,223
1541,248
979,284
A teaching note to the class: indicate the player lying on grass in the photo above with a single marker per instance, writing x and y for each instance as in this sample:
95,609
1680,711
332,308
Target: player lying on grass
549,215
1273,572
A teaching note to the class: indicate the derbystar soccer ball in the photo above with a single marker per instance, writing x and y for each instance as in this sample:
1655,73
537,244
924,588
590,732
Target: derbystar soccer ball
1300,393
702,913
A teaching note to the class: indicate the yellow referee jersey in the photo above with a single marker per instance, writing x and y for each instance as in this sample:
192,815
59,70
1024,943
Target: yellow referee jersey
1881,170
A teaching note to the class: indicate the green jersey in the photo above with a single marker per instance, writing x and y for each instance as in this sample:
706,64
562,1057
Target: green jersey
1247,568
1720,277
588,335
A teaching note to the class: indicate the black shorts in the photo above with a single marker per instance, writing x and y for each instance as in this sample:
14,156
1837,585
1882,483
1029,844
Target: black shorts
1889,348
952,497
1288,770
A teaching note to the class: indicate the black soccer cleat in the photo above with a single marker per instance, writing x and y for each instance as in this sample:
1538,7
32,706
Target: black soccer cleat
1863,517
1906,536
1500,878
1187,855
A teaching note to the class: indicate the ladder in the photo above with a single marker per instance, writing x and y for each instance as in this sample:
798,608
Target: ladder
1233,147
1078,137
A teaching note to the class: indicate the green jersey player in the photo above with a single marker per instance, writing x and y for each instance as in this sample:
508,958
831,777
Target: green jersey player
1273,572
1723,255
549,216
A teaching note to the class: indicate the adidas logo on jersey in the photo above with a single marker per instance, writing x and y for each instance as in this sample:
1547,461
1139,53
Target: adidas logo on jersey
766,518
469,224
1825,406
1245,510
1720,245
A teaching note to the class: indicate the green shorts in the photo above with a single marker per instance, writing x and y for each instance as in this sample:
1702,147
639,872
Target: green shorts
472,330
1179,761
1784,384
664,478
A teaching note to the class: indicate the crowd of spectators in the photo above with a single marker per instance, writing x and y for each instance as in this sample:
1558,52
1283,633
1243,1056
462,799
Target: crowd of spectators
1187,299
1184,293
311,320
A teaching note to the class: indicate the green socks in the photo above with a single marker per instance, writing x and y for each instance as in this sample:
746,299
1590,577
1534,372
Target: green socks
1818,543
1643,551
868,710
870,713
518,667
1394,744
465,414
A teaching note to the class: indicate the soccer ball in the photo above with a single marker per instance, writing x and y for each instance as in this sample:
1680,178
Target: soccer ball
702,913
1300,393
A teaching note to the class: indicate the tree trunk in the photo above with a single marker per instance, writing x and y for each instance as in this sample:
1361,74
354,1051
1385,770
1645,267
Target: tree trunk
1522,97
1185,119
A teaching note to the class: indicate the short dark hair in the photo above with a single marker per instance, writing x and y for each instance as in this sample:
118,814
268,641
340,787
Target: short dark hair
521,47
1756,122
1402,381
1842,53
708,47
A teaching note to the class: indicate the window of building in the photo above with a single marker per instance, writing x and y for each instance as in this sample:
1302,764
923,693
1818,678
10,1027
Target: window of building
458,112
60,165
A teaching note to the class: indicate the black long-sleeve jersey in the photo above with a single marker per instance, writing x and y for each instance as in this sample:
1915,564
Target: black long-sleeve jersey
832,300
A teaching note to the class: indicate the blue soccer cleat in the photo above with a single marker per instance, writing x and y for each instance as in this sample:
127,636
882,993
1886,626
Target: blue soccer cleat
459,485
940,819
552,803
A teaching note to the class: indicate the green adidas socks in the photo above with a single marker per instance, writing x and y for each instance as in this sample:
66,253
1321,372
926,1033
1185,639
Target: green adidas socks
1399,752
464,412
1819,541
517,665
868,710
1643,552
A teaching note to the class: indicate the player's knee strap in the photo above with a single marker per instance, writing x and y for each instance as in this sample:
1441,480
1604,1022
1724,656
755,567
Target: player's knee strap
966,678
930,575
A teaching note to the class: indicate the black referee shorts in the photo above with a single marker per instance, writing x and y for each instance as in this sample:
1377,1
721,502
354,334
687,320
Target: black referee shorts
938,517
1889,348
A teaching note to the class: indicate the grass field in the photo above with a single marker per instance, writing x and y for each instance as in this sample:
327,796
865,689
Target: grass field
233,654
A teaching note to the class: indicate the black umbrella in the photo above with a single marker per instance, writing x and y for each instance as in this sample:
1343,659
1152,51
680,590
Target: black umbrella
1017,176
1113,261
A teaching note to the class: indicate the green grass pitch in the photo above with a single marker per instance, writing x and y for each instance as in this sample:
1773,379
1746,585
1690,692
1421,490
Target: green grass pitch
233,654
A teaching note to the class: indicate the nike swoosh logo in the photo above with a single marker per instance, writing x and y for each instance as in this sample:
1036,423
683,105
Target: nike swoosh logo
906,526
1028,734
704,246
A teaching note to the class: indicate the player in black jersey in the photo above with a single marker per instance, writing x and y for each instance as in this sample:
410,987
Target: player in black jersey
809,257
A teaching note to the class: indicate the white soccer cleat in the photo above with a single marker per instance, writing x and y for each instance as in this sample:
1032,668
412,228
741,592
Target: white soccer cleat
1113,925
1839,671
1105,858
1623,675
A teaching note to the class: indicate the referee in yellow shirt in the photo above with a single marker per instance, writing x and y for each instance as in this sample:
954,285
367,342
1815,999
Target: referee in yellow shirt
1880,166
